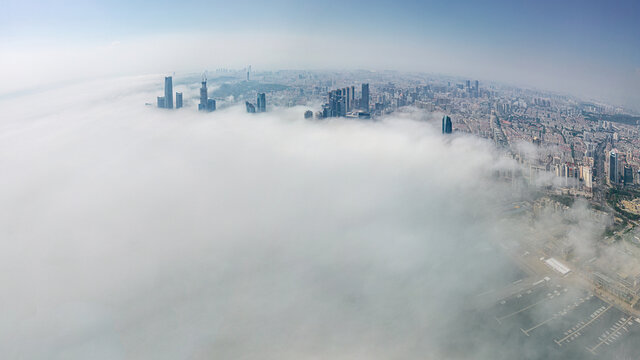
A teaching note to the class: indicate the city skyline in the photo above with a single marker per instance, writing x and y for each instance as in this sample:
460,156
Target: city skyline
284,180
587,49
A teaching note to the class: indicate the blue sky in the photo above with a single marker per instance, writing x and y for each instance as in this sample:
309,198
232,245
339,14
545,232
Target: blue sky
555,39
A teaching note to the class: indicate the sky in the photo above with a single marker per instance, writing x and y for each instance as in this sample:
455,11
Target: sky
585,48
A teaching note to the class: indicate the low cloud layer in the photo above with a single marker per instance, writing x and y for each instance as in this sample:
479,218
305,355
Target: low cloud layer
129,232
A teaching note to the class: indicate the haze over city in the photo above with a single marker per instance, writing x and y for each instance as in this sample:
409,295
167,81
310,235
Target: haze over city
370,180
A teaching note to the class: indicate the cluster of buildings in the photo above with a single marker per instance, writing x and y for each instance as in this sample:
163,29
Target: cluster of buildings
166,101
578,142
259,106
343,103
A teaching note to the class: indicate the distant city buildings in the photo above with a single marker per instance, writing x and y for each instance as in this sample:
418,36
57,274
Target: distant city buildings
341,103
251,109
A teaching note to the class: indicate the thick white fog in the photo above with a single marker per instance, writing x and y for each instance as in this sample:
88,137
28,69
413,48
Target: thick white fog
130,232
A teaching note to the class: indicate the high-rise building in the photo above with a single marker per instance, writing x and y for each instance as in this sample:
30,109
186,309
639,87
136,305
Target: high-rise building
262,103
178,100
628,175
613,167
308,114
587,176
347,91
364,103
168,92
250,107
211,105
476,89
447,127
161,102
203,95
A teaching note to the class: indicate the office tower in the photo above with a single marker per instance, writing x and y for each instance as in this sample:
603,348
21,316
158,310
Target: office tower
364,103
168,92
211,105
347,91
587,176
203,95
250,107
476,89
628,175
353,96
248,72
468,86
178,100
447,127
161,102
262,103
613,167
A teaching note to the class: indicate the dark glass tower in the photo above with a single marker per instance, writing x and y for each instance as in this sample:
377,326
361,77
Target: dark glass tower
262,102
168,92
364,103
447,127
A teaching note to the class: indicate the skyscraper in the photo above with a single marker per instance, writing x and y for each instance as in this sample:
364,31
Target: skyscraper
211,105
613,167
628,175
161,102
178,100
168,92
364,103
447,127
203,95
262,103
348,97
250,107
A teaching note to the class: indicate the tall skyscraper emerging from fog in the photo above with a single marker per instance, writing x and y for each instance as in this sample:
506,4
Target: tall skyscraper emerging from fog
168,92
447,127
203,95
364,103
262,103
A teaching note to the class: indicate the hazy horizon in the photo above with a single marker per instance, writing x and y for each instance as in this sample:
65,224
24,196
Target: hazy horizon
587,49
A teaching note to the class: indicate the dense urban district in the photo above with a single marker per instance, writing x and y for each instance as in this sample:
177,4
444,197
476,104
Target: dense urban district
567,149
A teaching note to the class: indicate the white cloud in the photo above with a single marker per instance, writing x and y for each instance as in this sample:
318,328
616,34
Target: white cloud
133,232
